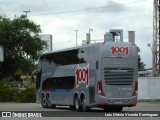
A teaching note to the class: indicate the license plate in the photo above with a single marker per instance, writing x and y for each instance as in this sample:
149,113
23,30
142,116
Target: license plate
118,102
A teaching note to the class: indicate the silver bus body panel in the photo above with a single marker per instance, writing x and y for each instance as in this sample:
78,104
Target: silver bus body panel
105,65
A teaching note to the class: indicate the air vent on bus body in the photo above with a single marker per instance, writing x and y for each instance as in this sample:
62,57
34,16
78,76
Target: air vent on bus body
122,76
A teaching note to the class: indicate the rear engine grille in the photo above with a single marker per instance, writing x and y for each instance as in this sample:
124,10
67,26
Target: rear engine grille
122,76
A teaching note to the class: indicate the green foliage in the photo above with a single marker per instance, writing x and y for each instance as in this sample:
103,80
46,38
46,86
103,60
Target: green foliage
21,43
9,94
141,65
27,95
4,81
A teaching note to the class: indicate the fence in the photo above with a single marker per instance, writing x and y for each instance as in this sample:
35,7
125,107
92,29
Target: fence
149,88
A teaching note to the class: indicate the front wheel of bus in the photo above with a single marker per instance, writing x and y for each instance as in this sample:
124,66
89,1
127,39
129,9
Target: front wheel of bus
77,104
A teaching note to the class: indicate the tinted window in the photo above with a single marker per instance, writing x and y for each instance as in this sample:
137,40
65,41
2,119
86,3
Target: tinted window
76,56
59,83
88,54
64,58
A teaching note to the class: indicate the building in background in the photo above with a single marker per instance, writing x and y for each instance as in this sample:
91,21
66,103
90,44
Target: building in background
48,39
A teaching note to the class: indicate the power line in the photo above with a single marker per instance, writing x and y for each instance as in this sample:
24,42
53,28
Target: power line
63,12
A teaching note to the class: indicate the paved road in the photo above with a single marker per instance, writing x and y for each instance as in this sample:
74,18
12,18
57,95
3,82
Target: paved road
141,106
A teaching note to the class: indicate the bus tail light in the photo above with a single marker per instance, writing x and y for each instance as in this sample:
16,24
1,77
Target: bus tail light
135,89
99,88
103,43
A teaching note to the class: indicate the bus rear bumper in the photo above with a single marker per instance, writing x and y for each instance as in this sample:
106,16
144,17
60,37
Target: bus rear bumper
125,102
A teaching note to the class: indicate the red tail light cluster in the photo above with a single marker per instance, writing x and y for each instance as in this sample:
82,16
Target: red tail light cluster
103,43
135,89
100,89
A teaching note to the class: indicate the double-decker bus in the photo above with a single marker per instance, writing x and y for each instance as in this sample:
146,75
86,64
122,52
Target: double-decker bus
101,75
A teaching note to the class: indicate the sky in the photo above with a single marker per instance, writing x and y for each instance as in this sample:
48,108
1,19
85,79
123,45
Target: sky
62,17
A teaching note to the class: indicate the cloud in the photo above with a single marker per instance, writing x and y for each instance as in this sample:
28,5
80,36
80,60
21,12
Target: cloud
113,6
113,14
109,7
16,7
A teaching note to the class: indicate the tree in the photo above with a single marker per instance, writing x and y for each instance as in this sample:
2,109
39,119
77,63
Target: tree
141,65
21,41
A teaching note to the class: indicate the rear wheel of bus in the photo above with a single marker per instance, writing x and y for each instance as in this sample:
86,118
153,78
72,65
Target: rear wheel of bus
84,107
72,107
49,102
112,108
77,104
44,101
119,109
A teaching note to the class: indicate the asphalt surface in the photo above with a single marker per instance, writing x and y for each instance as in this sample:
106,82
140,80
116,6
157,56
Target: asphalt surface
61,111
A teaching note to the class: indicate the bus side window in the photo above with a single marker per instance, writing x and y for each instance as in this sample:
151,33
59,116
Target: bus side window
59,83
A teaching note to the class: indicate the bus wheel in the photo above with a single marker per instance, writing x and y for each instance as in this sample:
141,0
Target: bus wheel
84,107
77,104
49,102
119,109
72,107
108,109
44,102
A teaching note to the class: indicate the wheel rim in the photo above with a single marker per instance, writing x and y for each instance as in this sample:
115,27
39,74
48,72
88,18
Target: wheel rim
84,107
83,104
77,104
48,101
44,101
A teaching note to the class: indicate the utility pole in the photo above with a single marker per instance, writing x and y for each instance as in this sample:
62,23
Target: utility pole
89,36
155,44
76,38
27,11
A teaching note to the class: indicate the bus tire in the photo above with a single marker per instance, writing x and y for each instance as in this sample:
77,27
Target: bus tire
72,107
44,101
77,104
119,109
113,109
108,109
49,102
84,107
